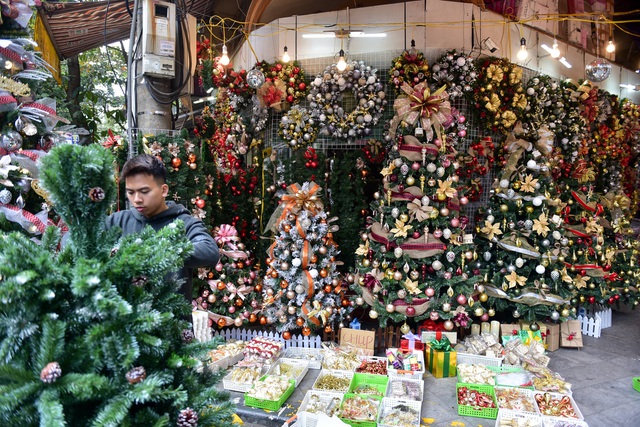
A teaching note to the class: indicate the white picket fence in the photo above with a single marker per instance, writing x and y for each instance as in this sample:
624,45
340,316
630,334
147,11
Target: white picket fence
247,334
594,320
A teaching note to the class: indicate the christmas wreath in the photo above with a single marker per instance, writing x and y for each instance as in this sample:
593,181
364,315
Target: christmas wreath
410,67
498,94
457,71
297,128
284,85
333,92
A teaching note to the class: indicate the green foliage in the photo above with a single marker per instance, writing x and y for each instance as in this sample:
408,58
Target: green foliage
97,313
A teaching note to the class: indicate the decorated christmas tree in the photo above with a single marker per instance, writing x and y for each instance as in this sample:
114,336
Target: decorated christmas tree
232,293
93,334
521,238
414,262
302,289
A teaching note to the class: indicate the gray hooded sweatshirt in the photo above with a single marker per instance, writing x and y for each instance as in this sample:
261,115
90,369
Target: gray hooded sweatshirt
205,248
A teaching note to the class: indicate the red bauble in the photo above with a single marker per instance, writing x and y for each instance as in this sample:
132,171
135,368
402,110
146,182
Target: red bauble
200,203
592,300
222,323
253,318
290,99
302,86
286,335
306,331
221,285
411,311
176,162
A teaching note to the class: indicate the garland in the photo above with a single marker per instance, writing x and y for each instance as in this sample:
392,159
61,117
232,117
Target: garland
410,67
457,71
284,85
333,91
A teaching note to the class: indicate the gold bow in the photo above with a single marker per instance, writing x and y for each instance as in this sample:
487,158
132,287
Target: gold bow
495,72
418,104
515,76
519,101
508,119
418,211
493,103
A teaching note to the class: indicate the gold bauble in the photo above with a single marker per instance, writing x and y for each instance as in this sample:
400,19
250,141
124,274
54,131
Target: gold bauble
366,262
491,312
529,209
483,297
404,218
565,312
516,185
592,286
441,197
504,208
410,180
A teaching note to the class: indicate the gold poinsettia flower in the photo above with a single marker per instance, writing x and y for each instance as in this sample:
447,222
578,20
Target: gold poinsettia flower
491,230
540,225
515,280
388,170
519,101
411,286
495,72
592,227
508,119
581,281
565,276
401,229
363,250
515,76
444,187
493,103
529,184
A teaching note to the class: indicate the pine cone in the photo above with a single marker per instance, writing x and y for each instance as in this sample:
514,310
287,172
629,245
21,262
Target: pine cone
51,372
136,375
139,281
187,418
96,194
187,336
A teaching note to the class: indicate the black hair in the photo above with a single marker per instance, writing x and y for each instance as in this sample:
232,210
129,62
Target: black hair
145,164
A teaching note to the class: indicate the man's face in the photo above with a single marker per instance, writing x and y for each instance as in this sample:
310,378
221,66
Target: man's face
146,194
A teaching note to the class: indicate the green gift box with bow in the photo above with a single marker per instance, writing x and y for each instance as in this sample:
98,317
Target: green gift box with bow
441,358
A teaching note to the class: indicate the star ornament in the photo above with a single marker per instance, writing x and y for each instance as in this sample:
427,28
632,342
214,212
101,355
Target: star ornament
363,250
491,230
529,184
540,225
581,281
401,229
515,280
444,187
411,286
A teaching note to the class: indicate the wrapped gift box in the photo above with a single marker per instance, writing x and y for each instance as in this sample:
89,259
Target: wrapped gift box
411,341
553,336
570,334
441,358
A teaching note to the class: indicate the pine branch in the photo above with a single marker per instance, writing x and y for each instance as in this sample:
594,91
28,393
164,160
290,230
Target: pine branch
13,397
50,409
13,374
114,412
84,386
51,343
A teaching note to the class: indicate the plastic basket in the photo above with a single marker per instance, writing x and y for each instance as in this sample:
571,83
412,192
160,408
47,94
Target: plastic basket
310,419
478,360
523,393
636,384
389,405
339,374
559,396
517,419
489,372
472,411
373,359
357,423
272,405
562,422
405,383
506,369
414,374
298,365
377,382
312,355
232,385
218,364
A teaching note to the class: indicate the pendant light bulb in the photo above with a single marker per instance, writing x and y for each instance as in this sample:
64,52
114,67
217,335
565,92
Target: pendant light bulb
285,56
342,64
555,52
522,53
224,59
611,47
413,52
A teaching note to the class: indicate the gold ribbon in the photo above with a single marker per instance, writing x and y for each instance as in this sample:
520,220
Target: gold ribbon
518,244
419,105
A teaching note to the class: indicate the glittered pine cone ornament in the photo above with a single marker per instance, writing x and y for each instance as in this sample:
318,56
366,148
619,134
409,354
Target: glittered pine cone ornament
96,194
139,281
136,375
51,372
187,418
187,336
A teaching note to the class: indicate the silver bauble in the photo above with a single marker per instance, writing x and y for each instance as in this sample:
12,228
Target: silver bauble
598,70
5,196
255,78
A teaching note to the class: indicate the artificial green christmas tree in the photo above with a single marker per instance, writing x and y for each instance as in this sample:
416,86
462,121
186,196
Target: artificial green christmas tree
93,332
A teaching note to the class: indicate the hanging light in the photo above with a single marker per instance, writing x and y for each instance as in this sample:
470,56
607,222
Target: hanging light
555,52
342,64
611,47
522,53
224,59
285,56
413,52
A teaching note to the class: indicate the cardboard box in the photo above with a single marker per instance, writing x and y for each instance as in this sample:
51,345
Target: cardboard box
509,329
441,364
553,336
432,335
571,334
361,339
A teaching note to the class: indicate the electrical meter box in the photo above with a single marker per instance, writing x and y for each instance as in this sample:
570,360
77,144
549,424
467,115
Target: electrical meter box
159,39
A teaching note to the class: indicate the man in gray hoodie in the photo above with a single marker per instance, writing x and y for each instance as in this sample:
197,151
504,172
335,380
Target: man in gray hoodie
146,187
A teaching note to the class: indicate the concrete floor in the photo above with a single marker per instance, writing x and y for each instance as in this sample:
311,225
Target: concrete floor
601,374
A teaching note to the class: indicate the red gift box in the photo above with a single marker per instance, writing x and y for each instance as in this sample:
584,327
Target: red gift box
406,345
